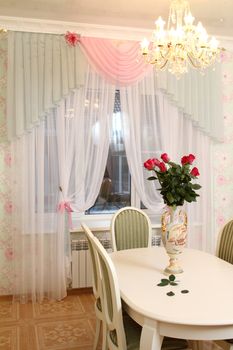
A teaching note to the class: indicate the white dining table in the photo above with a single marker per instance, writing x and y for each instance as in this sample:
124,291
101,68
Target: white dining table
204,313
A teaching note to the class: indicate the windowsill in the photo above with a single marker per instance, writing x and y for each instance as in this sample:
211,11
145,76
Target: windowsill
102,222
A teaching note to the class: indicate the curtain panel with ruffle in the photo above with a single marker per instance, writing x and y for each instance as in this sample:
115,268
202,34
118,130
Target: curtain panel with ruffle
43,68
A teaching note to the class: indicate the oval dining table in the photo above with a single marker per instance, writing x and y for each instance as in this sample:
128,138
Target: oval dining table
205,312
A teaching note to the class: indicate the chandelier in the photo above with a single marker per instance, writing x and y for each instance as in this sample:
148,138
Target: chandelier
182,44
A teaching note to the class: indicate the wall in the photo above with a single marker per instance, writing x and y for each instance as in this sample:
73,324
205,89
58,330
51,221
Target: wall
223,153
6,256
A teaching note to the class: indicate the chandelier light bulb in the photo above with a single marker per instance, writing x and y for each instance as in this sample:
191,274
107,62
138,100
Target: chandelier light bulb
189,19
182,44
160,23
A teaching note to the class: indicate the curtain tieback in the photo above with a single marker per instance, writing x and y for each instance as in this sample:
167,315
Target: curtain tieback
65,206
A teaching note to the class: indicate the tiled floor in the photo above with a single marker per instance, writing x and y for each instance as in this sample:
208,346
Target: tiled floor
64,325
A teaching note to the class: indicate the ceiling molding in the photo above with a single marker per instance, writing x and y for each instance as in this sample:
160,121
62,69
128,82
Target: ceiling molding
60,27
86,29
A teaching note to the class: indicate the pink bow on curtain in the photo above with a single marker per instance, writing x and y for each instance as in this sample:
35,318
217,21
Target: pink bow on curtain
65,206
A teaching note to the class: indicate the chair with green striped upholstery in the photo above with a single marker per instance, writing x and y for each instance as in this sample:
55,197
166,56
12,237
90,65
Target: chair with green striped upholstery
130,228
225,243
225,251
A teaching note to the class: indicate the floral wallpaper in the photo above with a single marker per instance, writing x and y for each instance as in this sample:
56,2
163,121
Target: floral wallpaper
223,152
6,255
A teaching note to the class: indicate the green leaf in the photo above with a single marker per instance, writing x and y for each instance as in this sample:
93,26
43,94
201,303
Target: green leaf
163,284
152,178
170,197
170,294
172,277
174,165
164,280
173,284
185,291
196,186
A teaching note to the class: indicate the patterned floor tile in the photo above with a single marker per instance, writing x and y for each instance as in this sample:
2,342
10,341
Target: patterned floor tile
9,338
74,334
9,312
87,301
70,306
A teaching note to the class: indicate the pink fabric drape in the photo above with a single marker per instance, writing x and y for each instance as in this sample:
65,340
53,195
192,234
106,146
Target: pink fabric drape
118,61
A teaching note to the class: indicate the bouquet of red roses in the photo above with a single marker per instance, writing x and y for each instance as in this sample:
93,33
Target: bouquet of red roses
175,179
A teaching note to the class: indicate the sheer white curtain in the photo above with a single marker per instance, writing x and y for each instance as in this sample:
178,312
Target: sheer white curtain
72,140
154,125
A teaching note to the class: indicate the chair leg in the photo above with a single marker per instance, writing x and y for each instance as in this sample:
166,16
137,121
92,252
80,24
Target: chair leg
104,340
97,333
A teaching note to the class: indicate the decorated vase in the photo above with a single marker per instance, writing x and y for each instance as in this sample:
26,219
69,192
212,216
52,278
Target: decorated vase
174,234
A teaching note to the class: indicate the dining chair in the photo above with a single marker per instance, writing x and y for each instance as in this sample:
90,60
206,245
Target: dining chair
96,285
130,228
118,335
224,251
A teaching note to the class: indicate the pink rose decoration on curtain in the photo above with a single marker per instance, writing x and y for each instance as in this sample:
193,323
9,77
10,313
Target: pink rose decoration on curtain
72,38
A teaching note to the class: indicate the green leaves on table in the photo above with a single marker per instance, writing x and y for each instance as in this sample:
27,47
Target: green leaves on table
170,294
170,281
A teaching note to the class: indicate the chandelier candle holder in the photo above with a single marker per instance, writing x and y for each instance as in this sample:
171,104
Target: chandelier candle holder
182,44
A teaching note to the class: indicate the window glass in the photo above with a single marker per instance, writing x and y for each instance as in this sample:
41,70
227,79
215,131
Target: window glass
115,191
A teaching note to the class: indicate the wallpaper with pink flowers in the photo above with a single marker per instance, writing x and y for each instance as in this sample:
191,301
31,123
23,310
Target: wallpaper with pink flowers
223,152
6,255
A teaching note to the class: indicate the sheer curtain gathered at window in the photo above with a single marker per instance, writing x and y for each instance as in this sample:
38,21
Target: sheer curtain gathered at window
57,167
154,125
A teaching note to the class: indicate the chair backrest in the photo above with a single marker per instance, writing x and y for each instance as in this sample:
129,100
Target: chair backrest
110,299
96,283
130,228
225,243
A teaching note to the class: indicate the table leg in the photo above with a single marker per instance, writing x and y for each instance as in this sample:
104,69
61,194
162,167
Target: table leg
150,337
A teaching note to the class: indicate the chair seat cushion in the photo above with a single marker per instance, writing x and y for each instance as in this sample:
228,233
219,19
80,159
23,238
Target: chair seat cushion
174,344
132,332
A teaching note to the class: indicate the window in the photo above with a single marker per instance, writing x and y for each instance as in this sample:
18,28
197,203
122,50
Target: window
115,191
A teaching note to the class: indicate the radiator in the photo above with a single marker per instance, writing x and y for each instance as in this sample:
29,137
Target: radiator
81,261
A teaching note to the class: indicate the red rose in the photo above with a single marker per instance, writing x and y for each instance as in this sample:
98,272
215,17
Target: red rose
187,159
184,160
149,164
165,157
156,161
191,158
162,167
195,172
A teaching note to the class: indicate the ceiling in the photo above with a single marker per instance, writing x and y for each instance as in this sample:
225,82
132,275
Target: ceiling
215,15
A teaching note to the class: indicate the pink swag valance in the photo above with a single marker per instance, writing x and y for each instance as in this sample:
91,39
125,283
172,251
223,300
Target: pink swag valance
118,61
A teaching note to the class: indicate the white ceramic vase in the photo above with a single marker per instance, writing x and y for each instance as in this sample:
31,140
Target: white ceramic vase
174,234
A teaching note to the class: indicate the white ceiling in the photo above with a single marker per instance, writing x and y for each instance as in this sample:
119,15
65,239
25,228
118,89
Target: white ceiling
215,15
